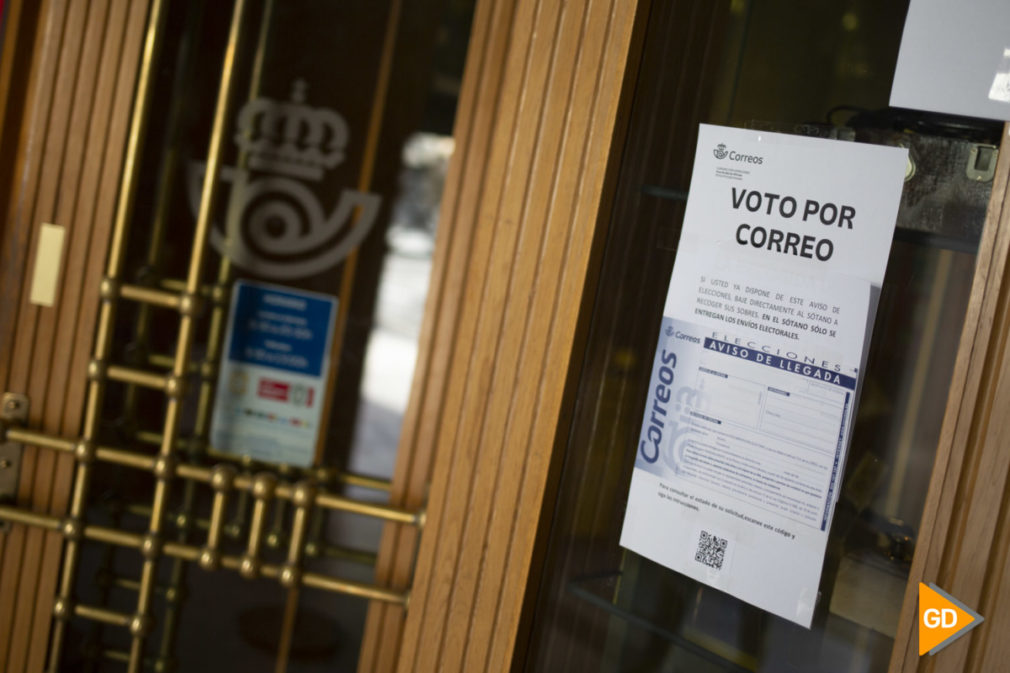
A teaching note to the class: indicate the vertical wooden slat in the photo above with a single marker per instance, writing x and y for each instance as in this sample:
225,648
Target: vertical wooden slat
991,651
16,242
101,152
28,375
71,158
536,130
973,556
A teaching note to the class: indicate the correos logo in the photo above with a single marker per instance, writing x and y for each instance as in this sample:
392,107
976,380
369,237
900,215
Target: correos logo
721,152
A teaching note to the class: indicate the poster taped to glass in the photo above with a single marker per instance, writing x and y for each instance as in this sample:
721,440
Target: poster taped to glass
757,369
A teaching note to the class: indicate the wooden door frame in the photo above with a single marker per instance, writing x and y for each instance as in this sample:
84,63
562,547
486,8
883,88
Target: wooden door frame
964,538
539,129
490,498
70,142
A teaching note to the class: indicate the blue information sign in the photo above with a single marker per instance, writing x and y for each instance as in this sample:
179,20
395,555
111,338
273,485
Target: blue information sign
272,382
280,328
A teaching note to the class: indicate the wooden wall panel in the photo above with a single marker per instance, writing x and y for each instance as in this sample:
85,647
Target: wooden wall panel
68,171
965,532
537,128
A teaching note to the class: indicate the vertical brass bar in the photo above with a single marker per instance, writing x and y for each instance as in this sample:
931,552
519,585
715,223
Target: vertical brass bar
187,325
302,501
291,574
173,606
216,516
287,629
315,543
163,195
84,452
237,525
255,541
263,493
166,181
169,167
208,372
221,482
275,538
209,191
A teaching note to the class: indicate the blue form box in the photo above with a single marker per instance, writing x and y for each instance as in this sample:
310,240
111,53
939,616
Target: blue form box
281,328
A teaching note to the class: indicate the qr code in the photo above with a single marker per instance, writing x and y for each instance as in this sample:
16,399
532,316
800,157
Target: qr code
711,550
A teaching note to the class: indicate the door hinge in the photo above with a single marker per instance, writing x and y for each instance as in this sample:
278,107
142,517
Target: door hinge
13,413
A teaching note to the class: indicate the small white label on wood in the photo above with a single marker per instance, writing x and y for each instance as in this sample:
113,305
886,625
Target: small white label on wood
48,260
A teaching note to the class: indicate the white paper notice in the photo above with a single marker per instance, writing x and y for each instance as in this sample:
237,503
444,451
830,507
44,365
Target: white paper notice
757,369
955,58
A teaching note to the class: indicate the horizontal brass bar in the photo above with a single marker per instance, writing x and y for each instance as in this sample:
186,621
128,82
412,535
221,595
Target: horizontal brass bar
104,453
364,481
369,591
179,285
174,284
150,295
125,583
386,512
148,437
362,556
161,360
113,536
29,518
194,472
155,439
106,616
134,585
347,478
203,474
166,361
191,553
136,377
33,438
231,562
138,461
184,551
150,663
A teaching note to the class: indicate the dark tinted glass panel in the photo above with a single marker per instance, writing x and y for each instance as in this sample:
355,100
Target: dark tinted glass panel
813,68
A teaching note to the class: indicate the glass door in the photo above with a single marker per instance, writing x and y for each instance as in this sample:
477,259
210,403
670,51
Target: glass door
822,69
260,309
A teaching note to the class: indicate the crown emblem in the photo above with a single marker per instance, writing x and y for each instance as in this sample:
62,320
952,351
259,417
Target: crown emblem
291,137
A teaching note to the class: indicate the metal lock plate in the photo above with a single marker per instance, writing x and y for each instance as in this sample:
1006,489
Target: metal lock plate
982,163
13,413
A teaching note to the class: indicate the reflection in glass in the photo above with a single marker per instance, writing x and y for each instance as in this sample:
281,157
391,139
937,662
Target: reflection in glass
818,69
330,100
